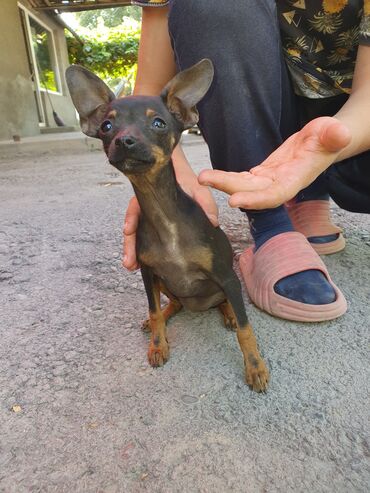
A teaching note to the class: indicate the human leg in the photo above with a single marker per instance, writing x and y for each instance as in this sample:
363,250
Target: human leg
349,183
250,108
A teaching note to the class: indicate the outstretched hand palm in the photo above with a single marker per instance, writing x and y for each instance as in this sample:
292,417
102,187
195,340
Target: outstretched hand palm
290,168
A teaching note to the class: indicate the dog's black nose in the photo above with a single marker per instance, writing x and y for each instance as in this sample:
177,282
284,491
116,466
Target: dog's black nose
126,141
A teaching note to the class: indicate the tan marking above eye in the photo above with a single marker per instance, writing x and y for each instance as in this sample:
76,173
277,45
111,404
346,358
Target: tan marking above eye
149,112
112,114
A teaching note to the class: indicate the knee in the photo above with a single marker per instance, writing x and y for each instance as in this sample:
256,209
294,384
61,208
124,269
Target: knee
249,26
247,13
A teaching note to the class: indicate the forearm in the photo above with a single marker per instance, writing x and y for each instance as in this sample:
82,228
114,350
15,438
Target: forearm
156,61
355,113
184,172
156,66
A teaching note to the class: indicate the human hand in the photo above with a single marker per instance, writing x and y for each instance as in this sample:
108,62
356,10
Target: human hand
199,193
129,235
290,168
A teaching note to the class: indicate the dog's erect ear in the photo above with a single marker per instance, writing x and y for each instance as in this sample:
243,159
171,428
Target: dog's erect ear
186,89
90,95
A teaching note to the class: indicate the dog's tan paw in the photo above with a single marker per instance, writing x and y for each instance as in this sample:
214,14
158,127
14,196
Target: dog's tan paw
228,316
145,326
158,355
257,375
230,322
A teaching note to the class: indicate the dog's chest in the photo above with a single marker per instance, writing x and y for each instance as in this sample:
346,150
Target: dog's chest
180,262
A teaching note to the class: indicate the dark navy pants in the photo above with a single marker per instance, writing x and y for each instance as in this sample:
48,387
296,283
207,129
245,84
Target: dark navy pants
251,107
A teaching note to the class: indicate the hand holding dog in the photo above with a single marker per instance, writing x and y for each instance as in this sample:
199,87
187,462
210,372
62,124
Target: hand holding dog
290,168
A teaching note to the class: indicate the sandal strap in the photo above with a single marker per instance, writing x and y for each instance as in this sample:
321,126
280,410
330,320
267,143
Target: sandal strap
283,255
312,218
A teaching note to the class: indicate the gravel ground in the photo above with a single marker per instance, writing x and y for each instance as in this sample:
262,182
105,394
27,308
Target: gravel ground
82,411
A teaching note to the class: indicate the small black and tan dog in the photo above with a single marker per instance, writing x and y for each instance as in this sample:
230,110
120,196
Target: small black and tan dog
181,253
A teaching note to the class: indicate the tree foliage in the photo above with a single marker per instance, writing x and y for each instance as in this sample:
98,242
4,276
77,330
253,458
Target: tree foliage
111,53
110,17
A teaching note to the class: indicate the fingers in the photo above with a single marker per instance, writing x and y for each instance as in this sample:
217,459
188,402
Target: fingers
225,181
205,199
129,252
231,183
258,200
132,217
129,234
246,190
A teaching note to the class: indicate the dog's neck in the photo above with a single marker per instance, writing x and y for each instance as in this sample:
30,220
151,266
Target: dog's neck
158,194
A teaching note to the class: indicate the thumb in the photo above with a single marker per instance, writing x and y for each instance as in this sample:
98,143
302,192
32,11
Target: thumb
335,135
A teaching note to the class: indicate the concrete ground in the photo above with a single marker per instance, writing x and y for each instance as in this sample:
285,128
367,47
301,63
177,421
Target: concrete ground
80,408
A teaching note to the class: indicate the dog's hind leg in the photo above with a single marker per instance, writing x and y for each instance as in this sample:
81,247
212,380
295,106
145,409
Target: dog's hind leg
158,352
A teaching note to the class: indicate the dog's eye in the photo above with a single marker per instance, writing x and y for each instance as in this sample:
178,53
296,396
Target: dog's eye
106,126
159,123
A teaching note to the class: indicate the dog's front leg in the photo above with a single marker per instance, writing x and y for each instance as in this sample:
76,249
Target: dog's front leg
158,352
256,372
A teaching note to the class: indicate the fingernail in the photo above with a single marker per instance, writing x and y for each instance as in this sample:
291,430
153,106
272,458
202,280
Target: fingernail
124,260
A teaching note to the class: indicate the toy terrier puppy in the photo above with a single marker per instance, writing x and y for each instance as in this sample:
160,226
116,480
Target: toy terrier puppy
180,252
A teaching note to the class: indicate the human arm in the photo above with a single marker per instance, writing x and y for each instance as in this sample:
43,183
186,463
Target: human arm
306,154
355,113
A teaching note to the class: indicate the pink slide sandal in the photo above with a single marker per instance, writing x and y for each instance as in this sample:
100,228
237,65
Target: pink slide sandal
312,218
283,255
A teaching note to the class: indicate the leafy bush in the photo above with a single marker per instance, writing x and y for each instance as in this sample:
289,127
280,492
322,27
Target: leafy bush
111,53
